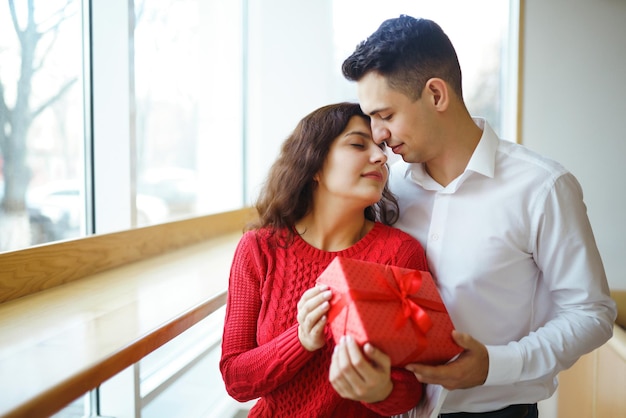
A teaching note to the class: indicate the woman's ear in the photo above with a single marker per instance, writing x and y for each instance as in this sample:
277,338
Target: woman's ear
438,93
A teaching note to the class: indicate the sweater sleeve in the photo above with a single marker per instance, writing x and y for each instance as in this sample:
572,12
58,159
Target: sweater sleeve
249,370
406,394
415,257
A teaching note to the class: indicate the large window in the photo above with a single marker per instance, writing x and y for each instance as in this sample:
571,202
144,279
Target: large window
165,95
188,101
41,122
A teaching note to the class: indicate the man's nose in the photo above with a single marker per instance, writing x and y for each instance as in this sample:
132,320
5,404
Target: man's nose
379,133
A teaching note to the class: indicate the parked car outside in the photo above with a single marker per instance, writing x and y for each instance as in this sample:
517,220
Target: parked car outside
176,186
41,227
61,207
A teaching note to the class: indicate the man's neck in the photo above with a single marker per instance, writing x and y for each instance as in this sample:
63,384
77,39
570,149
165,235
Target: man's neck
456,153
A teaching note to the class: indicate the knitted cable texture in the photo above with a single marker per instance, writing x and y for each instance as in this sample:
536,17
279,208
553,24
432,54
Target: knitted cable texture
261,354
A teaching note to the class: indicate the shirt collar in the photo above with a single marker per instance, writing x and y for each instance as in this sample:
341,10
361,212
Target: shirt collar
483,159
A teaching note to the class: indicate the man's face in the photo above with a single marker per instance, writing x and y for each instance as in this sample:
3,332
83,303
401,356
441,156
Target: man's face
405,125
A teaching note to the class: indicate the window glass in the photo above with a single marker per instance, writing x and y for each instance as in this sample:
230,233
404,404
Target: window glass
182,377
188,101
41,122
478,29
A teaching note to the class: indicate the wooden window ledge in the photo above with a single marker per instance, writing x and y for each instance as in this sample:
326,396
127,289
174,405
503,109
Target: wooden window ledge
74,331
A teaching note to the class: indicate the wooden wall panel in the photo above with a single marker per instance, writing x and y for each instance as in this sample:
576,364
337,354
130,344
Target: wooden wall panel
577,387
611,393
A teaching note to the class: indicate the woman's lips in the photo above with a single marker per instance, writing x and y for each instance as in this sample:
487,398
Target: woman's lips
374,175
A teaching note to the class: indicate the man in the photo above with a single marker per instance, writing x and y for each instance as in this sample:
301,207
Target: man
505,230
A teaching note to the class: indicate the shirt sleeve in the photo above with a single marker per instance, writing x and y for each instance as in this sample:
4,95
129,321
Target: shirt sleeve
249,370
572,280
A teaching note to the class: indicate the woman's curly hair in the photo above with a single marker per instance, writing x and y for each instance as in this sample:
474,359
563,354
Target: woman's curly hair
287,195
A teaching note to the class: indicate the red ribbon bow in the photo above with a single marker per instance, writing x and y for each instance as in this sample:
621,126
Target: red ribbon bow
400,286
408,284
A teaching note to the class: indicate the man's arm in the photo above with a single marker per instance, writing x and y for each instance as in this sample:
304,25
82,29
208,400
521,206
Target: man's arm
467,370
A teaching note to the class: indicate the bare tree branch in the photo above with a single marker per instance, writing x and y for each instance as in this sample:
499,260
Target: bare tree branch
21,33
4,109
44,54
5,116
53,29
139,9
15,122
58,17
16,24
54,98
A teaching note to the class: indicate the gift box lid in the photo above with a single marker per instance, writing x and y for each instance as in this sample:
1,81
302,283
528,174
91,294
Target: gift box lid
397,310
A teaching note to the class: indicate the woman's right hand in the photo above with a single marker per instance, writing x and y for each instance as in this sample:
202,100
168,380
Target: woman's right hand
312,317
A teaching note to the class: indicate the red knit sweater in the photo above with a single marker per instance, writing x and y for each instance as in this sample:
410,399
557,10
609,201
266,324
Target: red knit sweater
261,354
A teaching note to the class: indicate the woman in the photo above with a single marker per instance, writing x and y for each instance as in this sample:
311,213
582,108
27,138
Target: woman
325,196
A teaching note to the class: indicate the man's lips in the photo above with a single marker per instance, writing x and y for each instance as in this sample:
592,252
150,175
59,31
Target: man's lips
396,149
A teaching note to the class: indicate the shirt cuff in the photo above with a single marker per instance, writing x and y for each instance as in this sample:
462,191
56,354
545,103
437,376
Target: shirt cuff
505,365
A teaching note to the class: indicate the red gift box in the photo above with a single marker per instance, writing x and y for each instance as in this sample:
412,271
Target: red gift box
397,310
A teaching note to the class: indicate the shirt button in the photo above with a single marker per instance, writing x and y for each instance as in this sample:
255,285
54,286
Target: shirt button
434,237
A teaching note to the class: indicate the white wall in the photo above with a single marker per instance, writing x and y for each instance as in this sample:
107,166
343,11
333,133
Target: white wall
290,66
574,107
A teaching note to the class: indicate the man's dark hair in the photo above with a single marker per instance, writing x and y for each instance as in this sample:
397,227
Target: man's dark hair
407,52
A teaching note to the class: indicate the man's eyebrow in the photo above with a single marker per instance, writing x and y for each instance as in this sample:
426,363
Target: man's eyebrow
375,111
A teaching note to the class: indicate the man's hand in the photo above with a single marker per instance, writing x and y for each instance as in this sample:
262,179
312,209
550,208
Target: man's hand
469,369
360,375
312,310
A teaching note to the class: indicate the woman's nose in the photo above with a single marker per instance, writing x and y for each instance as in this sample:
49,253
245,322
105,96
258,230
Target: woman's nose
379,155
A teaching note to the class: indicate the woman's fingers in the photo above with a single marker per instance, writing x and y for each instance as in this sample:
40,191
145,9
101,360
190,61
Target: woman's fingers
312,309
311,299
360,376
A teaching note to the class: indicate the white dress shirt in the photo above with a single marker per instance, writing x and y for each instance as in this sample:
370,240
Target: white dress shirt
511,247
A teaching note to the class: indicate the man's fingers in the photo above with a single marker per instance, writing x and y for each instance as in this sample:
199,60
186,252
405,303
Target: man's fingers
463,340
467,370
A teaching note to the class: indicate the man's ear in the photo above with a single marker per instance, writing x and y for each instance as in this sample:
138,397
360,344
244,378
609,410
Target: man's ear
438,93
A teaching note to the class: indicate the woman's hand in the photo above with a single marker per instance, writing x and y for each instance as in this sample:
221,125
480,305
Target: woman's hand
360,375
312,309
